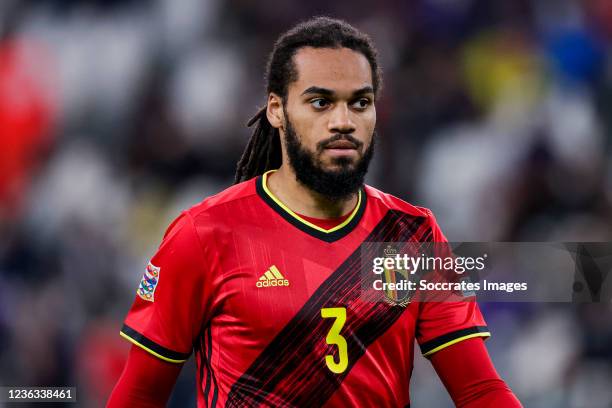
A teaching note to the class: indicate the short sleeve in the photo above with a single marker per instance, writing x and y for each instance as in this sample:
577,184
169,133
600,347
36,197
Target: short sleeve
442,324
172,298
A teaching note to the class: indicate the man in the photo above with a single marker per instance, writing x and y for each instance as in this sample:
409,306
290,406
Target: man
262,280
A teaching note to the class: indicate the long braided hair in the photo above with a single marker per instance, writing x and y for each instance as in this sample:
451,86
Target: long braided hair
263,151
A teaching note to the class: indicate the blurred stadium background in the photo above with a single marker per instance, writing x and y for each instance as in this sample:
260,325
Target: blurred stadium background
114,115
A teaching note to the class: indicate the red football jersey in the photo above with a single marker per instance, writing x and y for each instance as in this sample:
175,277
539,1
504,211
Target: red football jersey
270,303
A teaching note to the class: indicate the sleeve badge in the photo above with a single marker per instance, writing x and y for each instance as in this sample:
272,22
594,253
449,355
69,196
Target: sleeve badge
148,283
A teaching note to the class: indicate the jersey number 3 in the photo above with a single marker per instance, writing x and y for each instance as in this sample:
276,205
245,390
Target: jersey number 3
335,338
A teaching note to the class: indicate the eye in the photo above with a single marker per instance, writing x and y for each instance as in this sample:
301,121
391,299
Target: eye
361,103
319,103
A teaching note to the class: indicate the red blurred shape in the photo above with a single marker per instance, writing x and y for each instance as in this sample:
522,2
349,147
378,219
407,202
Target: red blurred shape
26,117
101,356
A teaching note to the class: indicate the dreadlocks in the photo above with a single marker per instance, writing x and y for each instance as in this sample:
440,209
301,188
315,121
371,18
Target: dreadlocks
263,151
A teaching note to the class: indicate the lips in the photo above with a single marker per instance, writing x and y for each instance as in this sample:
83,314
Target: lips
341,144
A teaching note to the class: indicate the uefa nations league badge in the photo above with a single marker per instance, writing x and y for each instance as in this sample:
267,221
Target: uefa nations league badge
148,283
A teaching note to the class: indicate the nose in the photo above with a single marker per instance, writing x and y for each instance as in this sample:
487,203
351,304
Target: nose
340,120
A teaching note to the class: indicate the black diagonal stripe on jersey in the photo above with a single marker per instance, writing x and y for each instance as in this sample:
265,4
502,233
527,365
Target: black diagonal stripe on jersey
205,363
428,237
204,350
290,371
201,358
213,403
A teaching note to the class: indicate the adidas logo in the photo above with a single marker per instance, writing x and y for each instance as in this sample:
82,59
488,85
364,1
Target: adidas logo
272,277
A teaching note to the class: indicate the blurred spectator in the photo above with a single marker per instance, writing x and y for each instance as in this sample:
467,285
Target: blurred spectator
27,111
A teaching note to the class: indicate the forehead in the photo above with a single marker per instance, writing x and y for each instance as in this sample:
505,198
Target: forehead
339,69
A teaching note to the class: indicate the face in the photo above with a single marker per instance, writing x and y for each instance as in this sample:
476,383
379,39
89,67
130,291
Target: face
328,120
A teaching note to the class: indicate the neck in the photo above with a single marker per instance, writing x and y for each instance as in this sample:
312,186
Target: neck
299,198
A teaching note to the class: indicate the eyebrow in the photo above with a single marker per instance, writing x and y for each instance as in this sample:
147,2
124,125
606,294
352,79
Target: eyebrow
328,92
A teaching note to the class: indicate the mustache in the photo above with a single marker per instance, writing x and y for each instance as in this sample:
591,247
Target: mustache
339,136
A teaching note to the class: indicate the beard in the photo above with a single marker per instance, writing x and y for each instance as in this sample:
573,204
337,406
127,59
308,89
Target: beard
331,184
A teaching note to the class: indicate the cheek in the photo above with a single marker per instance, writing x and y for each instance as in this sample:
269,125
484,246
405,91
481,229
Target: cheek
368,124
306,141
309,131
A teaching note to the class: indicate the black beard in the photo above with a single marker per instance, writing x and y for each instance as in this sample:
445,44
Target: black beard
333,185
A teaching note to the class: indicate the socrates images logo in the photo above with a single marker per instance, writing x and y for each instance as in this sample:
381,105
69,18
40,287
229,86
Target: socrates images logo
148,283
272,277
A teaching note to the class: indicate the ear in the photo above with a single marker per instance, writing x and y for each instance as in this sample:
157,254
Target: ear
274,112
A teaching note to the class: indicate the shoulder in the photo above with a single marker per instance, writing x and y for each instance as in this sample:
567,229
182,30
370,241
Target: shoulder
211,215
231,195
391,202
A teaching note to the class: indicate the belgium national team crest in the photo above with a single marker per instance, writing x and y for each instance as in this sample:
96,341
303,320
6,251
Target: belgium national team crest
148,283
399,277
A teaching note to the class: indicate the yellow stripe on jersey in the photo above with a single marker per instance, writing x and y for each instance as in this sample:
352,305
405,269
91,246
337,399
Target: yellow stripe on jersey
300,219
145,348
457,340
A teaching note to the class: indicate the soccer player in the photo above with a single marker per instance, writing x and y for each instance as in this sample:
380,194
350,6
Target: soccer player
262,280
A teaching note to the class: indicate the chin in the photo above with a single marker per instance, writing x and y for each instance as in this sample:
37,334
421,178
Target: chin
342,163
339,168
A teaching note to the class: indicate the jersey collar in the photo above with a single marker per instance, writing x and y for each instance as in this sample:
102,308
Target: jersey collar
327,235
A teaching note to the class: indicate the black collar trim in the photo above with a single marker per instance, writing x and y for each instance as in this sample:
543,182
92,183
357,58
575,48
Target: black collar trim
330,235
